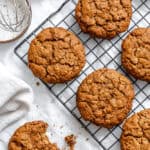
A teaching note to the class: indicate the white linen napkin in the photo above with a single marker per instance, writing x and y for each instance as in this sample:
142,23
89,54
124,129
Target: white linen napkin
16,98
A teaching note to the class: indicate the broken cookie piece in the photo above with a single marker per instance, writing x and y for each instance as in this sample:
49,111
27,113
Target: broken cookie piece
71,141
31,136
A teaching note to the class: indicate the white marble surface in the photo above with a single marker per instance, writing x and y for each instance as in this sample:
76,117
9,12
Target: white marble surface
46,107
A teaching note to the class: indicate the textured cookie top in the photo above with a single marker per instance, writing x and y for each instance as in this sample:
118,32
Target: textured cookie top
31,136
136,132
136,53
105,97
104,18
56,55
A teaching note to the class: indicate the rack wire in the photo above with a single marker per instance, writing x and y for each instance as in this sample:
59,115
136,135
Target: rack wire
99,53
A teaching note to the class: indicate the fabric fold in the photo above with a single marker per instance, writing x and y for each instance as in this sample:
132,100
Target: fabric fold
16,98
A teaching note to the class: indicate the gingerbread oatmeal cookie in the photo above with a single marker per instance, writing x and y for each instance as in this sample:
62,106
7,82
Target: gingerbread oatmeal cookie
103,18
56,55
105,97
31,136
136,132
136,53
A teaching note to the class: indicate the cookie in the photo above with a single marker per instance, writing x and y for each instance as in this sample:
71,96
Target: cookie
56,55
136,53
31,136
103,18
136,132
105,97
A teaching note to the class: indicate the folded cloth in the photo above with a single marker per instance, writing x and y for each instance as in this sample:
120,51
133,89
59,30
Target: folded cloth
16,98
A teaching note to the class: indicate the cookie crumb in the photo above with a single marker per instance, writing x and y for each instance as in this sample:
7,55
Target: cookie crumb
61,127
38,83
71,141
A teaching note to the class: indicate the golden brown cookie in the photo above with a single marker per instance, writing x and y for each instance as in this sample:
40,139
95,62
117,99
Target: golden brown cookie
103,18
105,97
136,132
31,136
136,53
56,55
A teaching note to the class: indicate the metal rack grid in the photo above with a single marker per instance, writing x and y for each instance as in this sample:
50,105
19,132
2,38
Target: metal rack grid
99,53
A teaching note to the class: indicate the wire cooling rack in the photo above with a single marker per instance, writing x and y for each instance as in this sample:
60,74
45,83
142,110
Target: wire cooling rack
99,53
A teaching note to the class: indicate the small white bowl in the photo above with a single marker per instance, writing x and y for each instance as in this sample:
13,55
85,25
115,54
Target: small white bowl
15,18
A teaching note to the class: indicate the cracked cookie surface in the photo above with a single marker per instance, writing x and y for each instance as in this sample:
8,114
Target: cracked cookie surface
136,132
56,55
103,18
31,136
105,97
136,53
